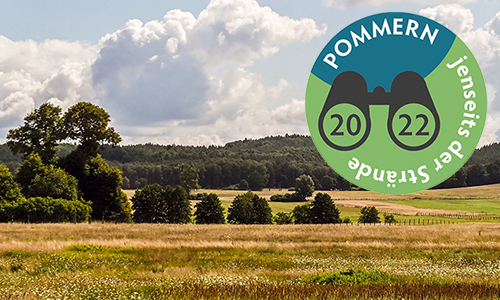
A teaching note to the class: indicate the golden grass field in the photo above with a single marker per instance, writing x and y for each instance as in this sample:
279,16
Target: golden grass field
164,261
167,261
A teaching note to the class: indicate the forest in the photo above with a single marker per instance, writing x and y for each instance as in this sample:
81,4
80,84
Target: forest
270,162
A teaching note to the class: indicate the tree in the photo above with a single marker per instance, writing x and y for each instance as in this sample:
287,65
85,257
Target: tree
282,218
178,205
249,208
88,123
476,175
39,180
149,205
256,181
101,184
304,186
302,214
323,210
243,185
188,177
10,195
209,210
262,213
389,219
241,209
41,132
328,182
369,214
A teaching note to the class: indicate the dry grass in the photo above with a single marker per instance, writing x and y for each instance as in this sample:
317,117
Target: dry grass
153,261
53,237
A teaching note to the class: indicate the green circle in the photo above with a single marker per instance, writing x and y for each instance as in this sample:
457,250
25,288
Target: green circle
423,105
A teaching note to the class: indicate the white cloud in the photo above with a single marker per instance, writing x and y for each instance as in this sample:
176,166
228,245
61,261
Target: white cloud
342,4
189,74
484,42
182,79
32,73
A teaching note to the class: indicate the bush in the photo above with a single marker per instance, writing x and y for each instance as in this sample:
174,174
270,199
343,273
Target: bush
282,218
46,209
39,180
199,196
287,198
149,205
154,204
389,219
178,205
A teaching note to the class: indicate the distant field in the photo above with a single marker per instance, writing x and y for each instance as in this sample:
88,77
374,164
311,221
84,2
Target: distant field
477,200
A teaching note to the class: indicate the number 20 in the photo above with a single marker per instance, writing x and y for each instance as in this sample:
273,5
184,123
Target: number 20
349,124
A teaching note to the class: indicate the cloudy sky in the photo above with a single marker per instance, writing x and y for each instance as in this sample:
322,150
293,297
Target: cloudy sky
200,72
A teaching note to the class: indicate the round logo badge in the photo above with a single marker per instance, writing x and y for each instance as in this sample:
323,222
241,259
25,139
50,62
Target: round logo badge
396,103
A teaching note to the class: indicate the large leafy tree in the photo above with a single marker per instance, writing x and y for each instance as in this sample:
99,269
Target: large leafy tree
209,210
241,209
323,210
304,186
178,205
149,205
88,123
249,208
41,132
101,184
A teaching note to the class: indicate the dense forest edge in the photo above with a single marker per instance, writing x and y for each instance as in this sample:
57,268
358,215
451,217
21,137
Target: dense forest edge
270,162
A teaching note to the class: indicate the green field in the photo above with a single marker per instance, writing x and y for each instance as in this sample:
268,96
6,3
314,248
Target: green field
473,205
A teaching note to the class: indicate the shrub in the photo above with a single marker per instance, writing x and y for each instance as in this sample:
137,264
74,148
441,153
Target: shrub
287,198
389,219
46,209
283,218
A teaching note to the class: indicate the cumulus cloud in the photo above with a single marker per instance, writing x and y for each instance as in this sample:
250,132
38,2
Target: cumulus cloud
342,4
484,42
182,79
32,73
190,74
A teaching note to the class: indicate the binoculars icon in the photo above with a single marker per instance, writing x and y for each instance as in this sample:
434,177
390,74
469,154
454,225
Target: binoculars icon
350,87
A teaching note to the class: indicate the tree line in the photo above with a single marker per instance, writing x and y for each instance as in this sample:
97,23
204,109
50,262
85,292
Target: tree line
157,204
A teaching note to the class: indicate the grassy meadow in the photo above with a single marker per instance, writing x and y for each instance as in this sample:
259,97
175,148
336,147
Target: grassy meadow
166,261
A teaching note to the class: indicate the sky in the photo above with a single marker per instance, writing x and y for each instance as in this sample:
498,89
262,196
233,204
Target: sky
200,72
